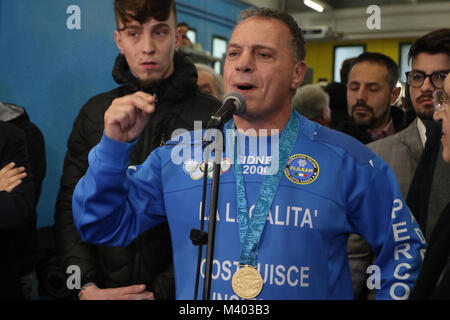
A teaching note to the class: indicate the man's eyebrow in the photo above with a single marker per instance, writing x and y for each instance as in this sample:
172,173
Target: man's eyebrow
137,26
253,47
367,83
233,45
133,27
160,25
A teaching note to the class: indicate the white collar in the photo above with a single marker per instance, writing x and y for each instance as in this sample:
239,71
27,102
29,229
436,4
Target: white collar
422,131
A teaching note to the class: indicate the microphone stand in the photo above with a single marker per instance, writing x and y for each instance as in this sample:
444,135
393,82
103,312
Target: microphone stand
212,227
199,237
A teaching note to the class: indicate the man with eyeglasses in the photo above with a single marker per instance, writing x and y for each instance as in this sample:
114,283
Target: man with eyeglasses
434,278
430,58
430,62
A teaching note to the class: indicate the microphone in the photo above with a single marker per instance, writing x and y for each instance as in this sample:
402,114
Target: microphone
233,103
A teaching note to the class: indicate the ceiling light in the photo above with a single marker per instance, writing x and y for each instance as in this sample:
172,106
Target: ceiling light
314,4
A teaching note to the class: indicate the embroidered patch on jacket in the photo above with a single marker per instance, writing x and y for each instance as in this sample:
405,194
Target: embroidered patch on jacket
196,169
302,169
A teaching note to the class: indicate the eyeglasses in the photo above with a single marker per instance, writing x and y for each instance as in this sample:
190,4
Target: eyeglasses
416,78
440,100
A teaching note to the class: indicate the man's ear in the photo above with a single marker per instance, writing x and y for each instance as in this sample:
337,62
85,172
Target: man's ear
298,74
118,40
178,38
395,94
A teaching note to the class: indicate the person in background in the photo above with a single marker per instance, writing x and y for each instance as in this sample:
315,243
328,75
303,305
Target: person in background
35,144
148,68
434,277
17,216
430,62
18,116
209,81
338,94
371,90
301,199
183,27
429,55
407,106
312,102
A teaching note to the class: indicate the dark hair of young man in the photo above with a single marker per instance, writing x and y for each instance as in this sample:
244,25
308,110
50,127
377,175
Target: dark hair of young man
142,10
435,42
384,60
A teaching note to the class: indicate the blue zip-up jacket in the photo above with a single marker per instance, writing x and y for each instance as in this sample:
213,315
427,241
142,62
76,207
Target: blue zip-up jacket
332,186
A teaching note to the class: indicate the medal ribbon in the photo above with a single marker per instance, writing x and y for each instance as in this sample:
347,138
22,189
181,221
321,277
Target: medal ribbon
250,230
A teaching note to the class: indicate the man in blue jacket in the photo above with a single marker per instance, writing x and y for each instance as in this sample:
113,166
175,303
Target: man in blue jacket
287,203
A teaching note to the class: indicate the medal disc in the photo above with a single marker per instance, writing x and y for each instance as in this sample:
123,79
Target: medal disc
247,283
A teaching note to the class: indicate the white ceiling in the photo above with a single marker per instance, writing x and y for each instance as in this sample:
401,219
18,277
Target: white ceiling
294,6
346,19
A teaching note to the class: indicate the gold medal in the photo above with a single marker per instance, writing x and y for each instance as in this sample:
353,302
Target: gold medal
247,283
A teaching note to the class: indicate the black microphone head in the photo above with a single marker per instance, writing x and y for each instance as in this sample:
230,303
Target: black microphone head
238,100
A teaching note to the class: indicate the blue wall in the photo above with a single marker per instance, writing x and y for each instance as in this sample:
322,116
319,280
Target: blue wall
52,71
210,18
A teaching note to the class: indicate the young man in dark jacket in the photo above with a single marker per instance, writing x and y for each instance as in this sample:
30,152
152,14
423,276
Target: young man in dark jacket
17,214
147,68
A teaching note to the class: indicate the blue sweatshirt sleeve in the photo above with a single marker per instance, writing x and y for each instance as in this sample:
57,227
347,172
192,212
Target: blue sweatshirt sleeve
113,203
380,215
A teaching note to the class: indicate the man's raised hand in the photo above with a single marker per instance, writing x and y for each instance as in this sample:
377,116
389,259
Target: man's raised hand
127,116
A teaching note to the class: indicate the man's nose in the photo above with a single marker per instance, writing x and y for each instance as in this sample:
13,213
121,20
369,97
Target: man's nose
148,45
362,94
427,85
245,62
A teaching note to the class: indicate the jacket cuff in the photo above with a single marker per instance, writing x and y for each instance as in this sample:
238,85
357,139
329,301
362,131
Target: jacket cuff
113,154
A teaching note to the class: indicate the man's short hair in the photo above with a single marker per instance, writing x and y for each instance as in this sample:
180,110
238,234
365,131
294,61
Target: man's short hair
384,60
346,66
142,10
218,80
310,100
297,41
435,42
182,24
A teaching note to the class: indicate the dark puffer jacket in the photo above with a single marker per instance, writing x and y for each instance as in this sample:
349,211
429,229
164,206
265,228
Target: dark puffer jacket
17,216
148,259
351,128
18,116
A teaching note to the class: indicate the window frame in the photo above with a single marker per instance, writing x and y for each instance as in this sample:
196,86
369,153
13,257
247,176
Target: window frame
223,38
361,45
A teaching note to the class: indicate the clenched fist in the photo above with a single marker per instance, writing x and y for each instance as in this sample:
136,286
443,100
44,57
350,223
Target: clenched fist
127,116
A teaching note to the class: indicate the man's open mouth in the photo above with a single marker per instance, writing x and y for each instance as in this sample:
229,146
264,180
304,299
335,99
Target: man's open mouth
245,86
